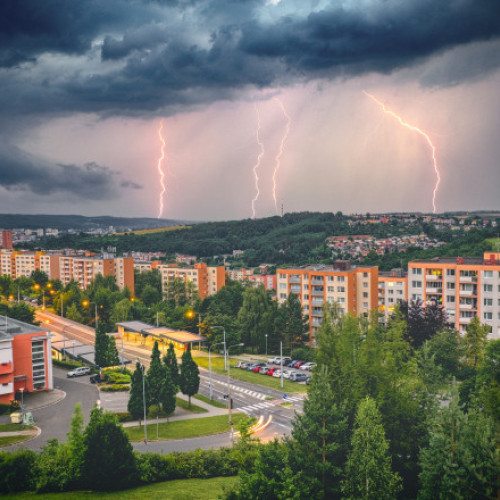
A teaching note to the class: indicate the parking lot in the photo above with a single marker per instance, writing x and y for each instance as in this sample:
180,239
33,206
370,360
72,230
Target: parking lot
294,370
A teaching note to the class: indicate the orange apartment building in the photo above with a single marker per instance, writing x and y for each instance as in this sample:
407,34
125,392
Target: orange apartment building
6,239
65,268
392,290
466,287
25,359
355,289
208,280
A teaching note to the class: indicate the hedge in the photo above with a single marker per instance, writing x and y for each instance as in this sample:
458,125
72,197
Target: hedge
114,388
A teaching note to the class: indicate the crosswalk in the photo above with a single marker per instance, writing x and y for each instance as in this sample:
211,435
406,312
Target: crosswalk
267,404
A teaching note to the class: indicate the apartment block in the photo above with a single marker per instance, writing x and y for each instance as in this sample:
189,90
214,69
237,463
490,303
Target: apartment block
392,290
6,239
268,281
208,280
466,287
67,268
355,289
25,359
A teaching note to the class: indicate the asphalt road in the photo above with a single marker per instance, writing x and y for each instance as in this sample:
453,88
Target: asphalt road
55,420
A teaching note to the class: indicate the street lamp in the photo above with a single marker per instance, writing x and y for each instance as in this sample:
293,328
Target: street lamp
22,401
144,403
86,303
266,344
210,365
225,351
229,386
64,340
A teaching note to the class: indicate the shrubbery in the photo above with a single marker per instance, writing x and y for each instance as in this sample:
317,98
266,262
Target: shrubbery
118,378
4,409
17,471
114,388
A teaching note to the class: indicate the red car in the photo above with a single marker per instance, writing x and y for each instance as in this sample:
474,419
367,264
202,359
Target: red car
270,371
298,364
256,369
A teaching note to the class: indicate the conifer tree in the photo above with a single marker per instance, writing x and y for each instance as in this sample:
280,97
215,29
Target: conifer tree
368,473
189,375
112,357
155,377
167,394
170,361
135,405
101,346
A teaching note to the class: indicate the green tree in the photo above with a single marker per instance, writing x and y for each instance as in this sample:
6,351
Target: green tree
290,323
135,405
155,377
189,375
255,318
109,462
368,473
447,347
122,311
150,295
475,342
488,380
112,356
167,394
101,346
461,461
73,313
170,361
319,445
76,447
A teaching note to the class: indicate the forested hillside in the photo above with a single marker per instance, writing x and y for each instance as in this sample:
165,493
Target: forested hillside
296,238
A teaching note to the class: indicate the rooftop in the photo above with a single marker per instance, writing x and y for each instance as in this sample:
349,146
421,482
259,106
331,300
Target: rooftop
10,327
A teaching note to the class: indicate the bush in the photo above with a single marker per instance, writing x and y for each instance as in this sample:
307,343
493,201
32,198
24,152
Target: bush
123,416
66,364
4,408
118,378
17,471
114,388
113,369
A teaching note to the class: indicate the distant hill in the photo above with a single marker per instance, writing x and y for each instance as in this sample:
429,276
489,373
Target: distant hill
82,223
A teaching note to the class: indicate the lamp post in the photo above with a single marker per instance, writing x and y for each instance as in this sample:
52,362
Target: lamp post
266,344
229,386
144,403
210,366
225,350
86,303
22,401
64,340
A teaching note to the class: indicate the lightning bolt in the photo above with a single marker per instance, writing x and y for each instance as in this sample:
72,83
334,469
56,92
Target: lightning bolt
424,135
257,164
160,169
280,152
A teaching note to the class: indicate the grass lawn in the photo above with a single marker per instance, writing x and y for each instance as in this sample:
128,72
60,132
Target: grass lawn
203,398
181,489
182,429
8,440
16,427
182,403
253,378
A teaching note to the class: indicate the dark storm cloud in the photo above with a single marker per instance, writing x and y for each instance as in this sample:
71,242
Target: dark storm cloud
177,53
19,171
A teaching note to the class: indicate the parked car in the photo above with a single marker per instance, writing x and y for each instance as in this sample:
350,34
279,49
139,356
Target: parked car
274,361
98,379
256,369
244,365
287,373
292,364
277,372
277,360
287,361
263,370
254,365
298,377
78,372
308,366
299,364
238,364
271,370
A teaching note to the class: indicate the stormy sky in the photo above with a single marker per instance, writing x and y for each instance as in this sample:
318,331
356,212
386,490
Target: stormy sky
246,88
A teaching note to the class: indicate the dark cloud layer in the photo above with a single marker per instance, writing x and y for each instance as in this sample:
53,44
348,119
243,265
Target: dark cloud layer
19,171
168,53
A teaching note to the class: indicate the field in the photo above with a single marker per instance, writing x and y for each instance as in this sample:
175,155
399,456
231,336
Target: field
185,489
156,230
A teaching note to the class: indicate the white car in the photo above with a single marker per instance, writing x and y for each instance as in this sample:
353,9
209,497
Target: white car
287,373
79,372
308,366
277,373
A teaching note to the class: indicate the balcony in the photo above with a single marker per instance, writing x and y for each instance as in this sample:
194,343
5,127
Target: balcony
294,279
295,289
6,368
317,302
6,389
316,322
434,277
466,307
468,279
317,293
317,281
318,314
431,289
468,293
464,321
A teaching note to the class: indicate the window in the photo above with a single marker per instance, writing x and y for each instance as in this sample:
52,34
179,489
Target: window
417,271
488,288
341,289
341,300
488,302
282,276
282,295
365,305
341,279
488,315
365,285
331,278
306,287
450,299
282,286
306,297
330,289
450,286
365,275
38,364
488,274
416,284
365,295
450,272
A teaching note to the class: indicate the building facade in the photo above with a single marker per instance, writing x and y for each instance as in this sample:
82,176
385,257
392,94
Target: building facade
355,289
465,287
392,290
6,239
25,359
